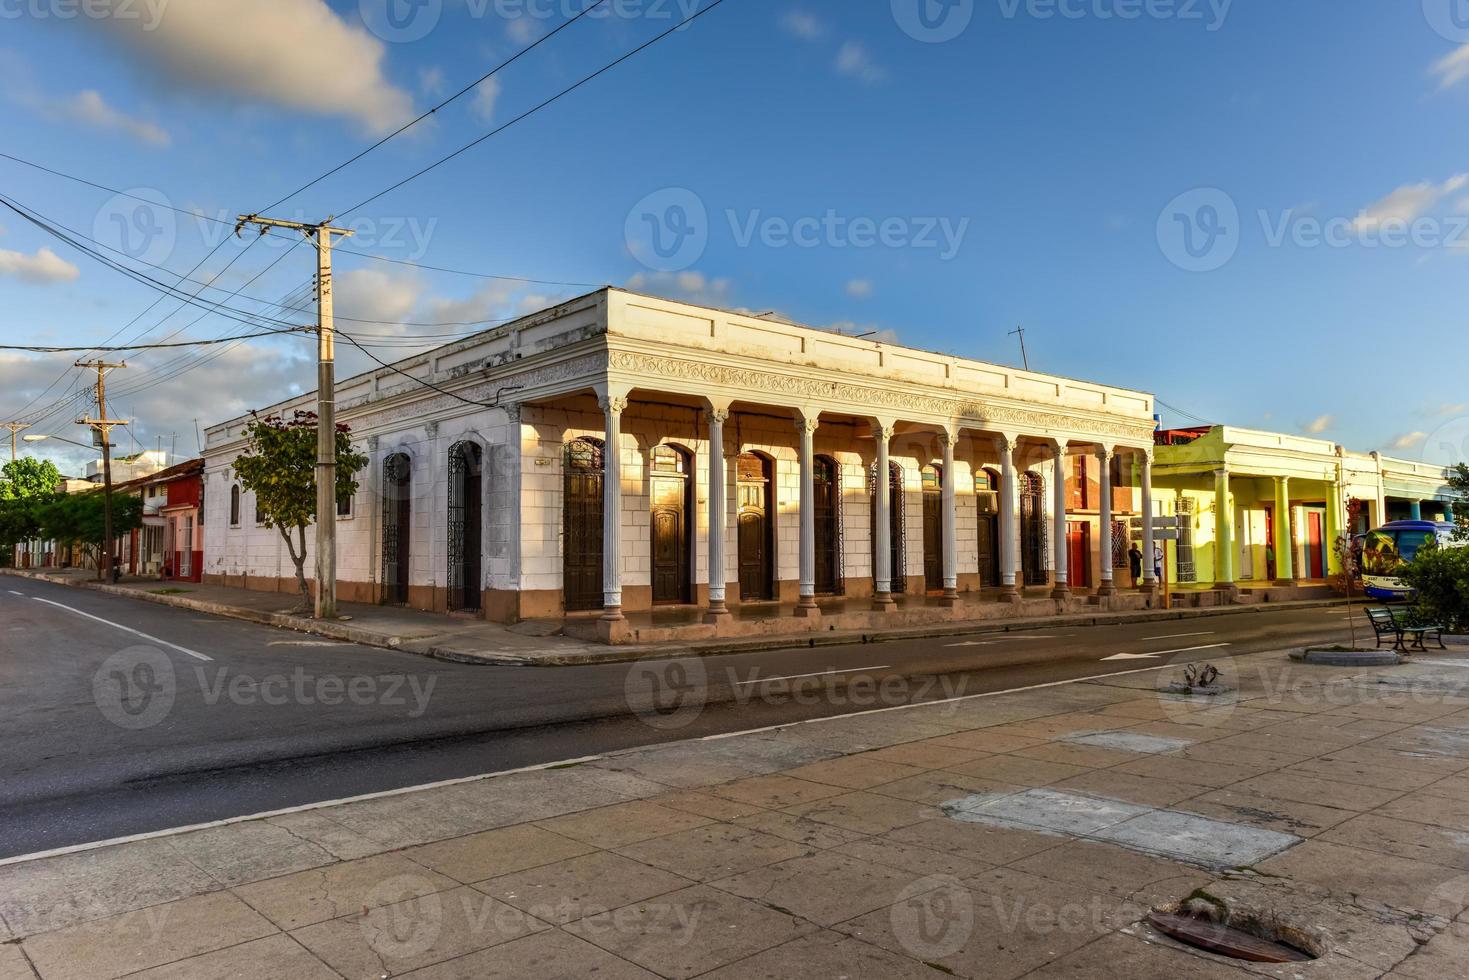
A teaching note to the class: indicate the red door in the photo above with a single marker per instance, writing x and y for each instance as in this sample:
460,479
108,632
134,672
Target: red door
1315,554
1079,554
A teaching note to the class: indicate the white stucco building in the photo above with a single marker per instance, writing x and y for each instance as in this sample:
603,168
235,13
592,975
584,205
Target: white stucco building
740,475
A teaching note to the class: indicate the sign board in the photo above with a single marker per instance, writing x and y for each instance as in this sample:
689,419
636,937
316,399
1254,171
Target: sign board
1166,534
1159,523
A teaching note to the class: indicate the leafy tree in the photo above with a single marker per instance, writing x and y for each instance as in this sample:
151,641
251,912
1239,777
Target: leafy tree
1440,579
279,467
25,484
1459,483
81,517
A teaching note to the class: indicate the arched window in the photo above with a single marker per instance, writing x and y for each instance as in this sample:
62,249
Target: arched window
235,505
465,525
397,503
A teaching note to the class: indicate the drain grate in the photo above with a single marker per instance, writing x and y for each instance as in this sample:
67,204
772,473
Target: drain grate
1215,937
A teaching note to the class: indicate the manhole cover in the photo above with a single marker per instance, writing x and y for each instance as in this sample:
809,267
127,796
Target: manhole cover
1215,937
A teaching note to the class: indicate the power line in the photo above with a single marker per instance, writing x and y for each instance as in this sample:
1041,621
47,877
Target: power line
178,343
465,272
427,384
537,108
453,98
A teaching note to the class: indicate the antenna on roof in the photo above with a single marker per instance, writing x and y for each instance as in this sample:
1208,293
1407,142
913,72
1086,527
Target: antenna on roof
1024,357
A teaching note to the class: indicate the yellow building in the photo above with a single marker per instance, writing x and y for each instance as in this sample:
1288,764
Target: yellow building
1260,511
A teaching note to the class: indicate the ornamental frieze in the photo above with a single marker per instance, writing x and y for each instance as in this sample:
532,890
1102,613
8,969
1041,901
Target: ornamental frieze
801,388
532,378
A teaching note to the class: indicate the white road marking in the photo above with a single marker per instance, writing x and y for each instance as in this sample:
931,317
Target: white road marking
1132,656
306,807
13,592
1006,636
1178,636
126,629
1209,646
819,673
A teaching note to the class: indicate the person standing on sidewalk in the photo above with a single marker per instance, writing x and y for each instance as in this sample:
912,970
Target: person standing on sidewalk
1135,562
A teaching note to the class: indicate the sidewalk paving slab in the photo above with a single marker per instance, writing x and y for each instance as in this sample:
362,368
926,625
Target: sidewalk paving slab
832,848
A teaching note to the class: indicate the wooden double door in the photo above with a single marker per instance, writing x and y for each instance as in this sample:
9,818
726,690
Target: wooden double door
671,492
581,555
755,528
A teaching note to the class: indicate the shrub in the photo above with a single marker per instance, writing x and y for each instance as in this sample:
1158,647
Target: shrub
1440,577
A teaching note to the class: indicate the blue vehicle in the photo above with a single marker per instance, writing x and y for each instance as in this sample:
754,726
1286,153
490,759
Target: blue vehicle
1388,548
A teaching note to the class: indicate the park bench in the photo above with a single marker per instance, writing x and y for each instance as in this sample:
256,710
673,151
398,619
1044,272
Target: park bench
1392,623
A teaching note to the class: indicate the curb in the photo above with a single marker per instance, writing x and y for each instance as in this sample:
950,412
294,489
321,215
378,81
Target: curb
630,654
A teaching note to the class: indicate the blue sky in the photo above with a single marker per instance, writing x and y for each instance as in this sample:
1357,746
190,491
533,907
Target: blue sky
1050,165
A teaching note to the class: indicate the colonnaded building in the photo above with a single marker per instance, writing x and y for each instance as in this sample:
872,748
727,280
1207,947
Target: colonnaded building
631,463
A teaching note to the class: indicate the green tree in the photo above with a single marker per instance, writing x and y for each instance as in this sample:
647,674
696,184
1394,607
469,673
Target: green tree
279,467
1459,483
81,517
1439,578
25,484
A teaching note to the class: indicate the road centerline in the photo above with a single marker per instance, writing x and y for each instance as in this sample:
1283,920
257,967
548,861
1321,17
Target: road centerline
818,673
126,629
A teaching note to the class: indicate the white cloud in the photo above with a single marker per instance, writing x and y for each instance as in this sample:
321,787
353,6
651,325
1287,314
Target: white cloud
859,288
43,267
802,25
1409,440
293,53
1407,203
89,108
431,81
854,61
485,97
1453,408
1452,69
522,30
690,287
1319,424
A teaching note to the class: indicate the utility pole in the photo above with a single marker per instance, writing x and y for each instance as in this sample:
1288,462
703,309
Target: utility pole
14,428
326,415
1024,357
104,425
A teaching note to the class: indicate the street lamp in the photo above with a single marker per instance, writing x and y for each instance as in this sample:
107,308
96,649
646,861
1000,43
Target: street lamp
57,438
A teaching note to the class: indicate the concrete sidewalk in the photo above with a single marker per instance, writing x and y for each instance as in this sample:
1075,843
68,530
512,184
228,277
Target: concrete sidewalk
1018,834
475,641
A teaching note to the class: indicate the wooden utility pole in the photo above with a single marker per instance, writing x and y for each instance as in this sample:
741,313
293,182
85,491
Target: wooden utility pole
326,415
104,425
14,427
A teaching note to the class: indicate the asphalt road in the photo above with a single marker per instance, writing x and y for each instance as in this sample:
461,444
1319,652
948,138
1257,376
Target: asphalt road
121,717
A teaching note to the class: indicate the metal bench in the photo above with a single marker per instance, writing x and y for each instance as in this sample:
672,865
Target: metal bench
1391,623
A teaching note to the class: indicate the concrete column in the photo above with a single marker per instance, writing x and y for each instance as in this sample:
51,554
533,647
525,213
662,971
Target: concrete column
1150,575
1058,469
1104,517
1285,545
613,407
1009,525
1223,532
717,501
806,431
1335,515
1448,512
1415,510
951,522
882,570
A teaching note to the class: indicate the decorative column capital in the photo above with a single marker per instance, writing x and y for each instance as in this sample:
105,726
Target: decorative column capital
948,438
372,444
884,431
806,424
432,428
1222,473
717,416
512,411
613,404
1106,453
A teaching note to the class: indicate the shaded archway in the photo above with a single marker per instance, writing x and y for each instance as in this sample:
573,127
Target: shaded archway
895,522
828,515
465,525
933,527
581,525
755,478
671,504
987,504
397,497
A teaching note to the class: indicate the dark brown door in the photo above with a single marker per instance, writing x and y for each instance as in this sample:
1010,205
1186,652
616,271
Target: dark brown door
1032,530
828,528
933,529
581,568
668,524
754,529
989,551
465,521
397,521
1079,554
